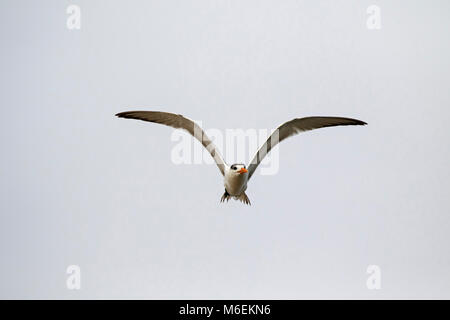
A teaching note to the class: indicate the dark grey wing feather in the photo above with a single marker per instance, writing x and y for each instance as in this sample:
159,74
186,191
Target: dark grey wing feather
294,127
177,121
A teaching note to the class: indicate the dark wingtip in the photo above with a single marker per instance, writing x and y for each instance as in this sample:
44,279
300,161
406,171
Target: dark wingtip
359,122
124,114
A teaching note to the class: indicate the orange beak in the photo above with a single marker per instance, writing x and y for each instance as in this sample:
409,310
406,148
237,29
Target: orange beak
243,170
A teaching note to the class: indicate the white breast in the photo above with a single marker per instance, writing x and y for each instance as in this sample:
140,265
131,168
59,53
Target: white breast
235,183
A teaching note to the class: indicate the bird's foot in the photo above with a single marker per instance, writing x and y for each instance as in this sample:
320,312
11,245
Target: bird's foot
226,196
243,198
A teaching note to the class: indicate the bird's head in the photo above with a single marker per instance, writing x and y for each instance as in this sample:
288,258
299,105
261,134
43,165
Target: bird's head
239,168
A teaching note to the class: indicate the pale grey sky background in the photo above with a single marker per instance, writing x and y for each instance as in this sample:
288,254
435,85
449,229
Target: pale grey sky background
79,186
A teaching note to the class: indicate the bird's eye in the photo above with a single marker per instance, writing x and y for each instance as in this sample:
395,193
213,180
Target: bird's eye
233,168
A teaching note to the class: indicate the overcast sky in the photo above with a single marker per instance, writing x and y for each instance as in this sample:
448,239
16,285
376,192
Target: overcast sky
82,187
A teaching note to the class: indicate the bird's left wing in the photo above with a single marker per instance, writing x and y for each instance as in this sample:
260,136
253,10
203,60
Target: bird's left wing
294,127
177,121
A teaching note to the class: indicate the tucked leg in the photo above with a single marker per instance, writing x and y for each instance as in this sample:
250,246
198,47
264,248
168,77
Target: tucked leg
226,196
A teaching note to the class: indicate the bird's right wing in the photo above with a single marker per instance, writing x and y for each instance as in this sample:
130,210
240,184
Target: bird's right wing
294,127
177,121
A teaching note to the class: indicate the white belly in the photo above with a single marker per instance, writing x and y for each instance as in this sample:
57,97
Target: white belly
235,184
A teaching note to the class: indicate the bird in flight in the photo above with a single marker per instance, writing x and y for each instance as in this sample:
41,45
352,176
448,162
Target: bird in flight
237,175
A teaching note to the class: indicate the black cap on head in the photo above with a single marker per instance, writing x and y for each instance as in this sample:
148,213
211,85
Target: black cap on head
235,165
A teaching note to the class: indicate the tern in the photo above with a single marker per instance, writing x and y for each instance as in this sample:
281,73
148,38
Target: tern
237,175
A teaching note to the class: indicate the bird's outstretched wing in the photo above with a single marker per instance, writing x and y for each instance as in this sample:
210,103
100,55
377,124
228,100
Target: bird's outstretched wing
177,121
293,127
